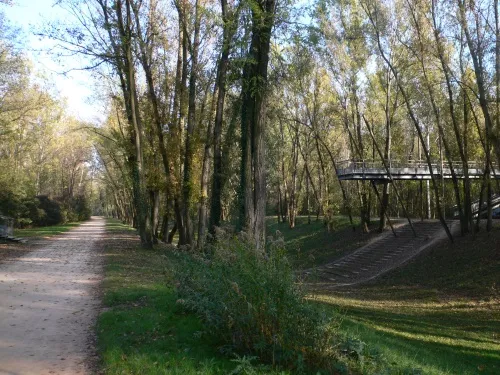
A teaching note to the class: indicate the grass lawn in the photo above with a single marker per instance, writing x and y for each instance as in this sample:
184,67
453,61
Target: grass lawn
143,330
311,244
44,231
439,313
434,337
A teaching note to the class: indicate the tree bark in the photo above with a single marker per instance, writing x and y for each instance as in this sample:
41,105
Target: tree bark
217,181
254,88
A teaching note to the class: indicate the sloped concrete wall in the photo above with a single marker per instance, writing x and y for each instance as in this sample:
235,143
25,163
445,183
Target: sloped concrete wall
6,226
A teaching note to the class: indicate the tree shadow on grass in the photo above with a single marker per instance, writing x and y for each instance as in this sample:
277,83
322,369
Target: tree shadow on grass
146,332
435,342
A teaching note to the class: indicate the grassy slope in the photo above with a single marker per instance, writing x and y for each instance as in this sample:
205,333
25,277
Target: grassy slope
439,313
143,330
44,231
312,244
469,268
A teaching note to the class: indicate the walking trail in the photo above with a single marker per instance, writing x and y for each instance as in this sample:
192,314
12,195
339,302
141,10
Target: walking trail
49,304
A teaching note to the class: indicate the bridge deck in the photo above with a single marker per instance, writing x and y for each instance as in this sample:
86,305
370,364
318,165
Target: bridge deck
410,170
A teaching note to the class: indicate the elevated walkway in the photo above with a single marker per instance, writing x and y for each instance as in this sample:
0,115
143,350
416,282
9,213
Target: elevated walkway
407,170
495,203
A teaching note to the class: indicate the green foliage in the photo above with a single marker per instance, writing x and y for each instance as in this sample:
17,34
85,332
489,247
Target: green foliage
143,330
41,210
52,209
78,208
251,302
10,203
38,211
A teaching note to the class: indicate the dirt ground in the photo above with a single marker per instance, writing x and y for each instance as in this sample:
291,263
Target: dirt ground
49,303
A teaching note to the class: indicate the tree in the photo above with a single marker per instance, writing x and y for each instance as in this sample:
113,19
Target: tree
253,94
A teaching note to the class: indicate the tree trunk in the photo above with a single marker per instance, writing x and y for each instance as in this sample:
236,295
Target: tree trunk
154,197
254,90
477,62
413,119
222,69
205,170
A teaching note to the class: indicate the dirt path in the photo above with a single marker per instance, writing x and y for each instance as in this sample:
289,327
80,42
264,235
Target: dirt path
48,304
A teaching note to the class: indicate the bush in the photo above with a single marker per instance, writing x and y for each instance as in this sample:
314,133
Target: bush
53,215
10,203
251,302
80,208
31,213
41,210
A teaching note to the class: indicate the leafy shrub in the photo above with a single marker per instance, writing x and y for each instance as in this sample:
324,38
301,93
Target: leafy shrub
41,210
52,210
252,303
10,203
31,213
80,208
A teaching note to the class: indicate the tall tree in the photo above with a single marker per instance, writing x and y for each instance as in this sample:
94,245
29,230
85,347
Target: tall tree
253,122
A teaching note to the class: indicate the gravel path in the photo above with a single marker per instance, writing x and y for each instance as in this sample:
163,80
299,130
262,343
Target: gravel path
49,304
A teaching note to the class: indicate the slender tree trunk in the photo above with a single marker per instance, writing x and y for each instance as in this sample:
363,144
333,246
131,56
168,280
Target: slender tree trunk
205,170
229,29
477,61
154,198
413,119
136,133
464,215
191,123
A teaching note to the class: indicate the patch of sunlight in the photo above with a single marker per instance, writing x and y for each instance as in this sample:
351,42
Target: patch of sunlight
455,305
434,339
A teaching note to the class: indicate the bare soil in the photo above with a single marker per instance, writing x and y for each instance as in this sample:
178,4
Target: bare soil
49,302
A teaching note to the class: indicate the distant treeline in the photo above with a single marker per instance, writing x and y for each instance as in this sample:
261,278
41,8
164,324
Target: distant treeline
42,210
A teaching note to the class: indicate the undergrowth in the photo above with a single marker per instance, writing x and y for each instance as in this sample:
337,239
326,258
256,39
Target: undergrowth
250,301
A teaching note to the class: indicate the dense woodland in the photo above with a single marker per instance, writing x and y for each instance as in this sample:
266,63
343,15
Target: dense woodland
45,159
225,112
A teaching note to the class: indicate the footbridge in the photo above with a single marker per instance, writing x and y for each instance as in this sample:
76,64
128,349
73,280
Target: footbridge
408,170
495,204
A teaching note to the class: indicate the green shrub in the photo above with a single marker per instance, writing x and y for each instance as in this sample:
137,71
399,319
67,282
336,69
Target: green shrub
53,215
80,208
252,303
41,210
31,213
10,203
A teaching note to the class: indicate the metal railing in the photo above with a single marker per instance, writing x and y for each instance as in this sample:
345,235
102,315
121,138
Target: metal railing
416,167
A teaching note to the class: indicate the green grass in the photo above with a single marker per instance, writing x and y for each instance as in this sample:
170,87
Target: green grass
44,231
311,244
439,313
437,338
116,226
144,330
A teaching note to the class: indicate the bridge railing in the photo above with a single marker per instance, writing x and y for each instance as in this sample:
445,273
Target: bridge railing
416,166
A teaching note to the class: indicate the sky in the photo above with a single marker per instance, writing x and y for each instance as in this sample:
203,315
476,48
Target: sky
76,86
